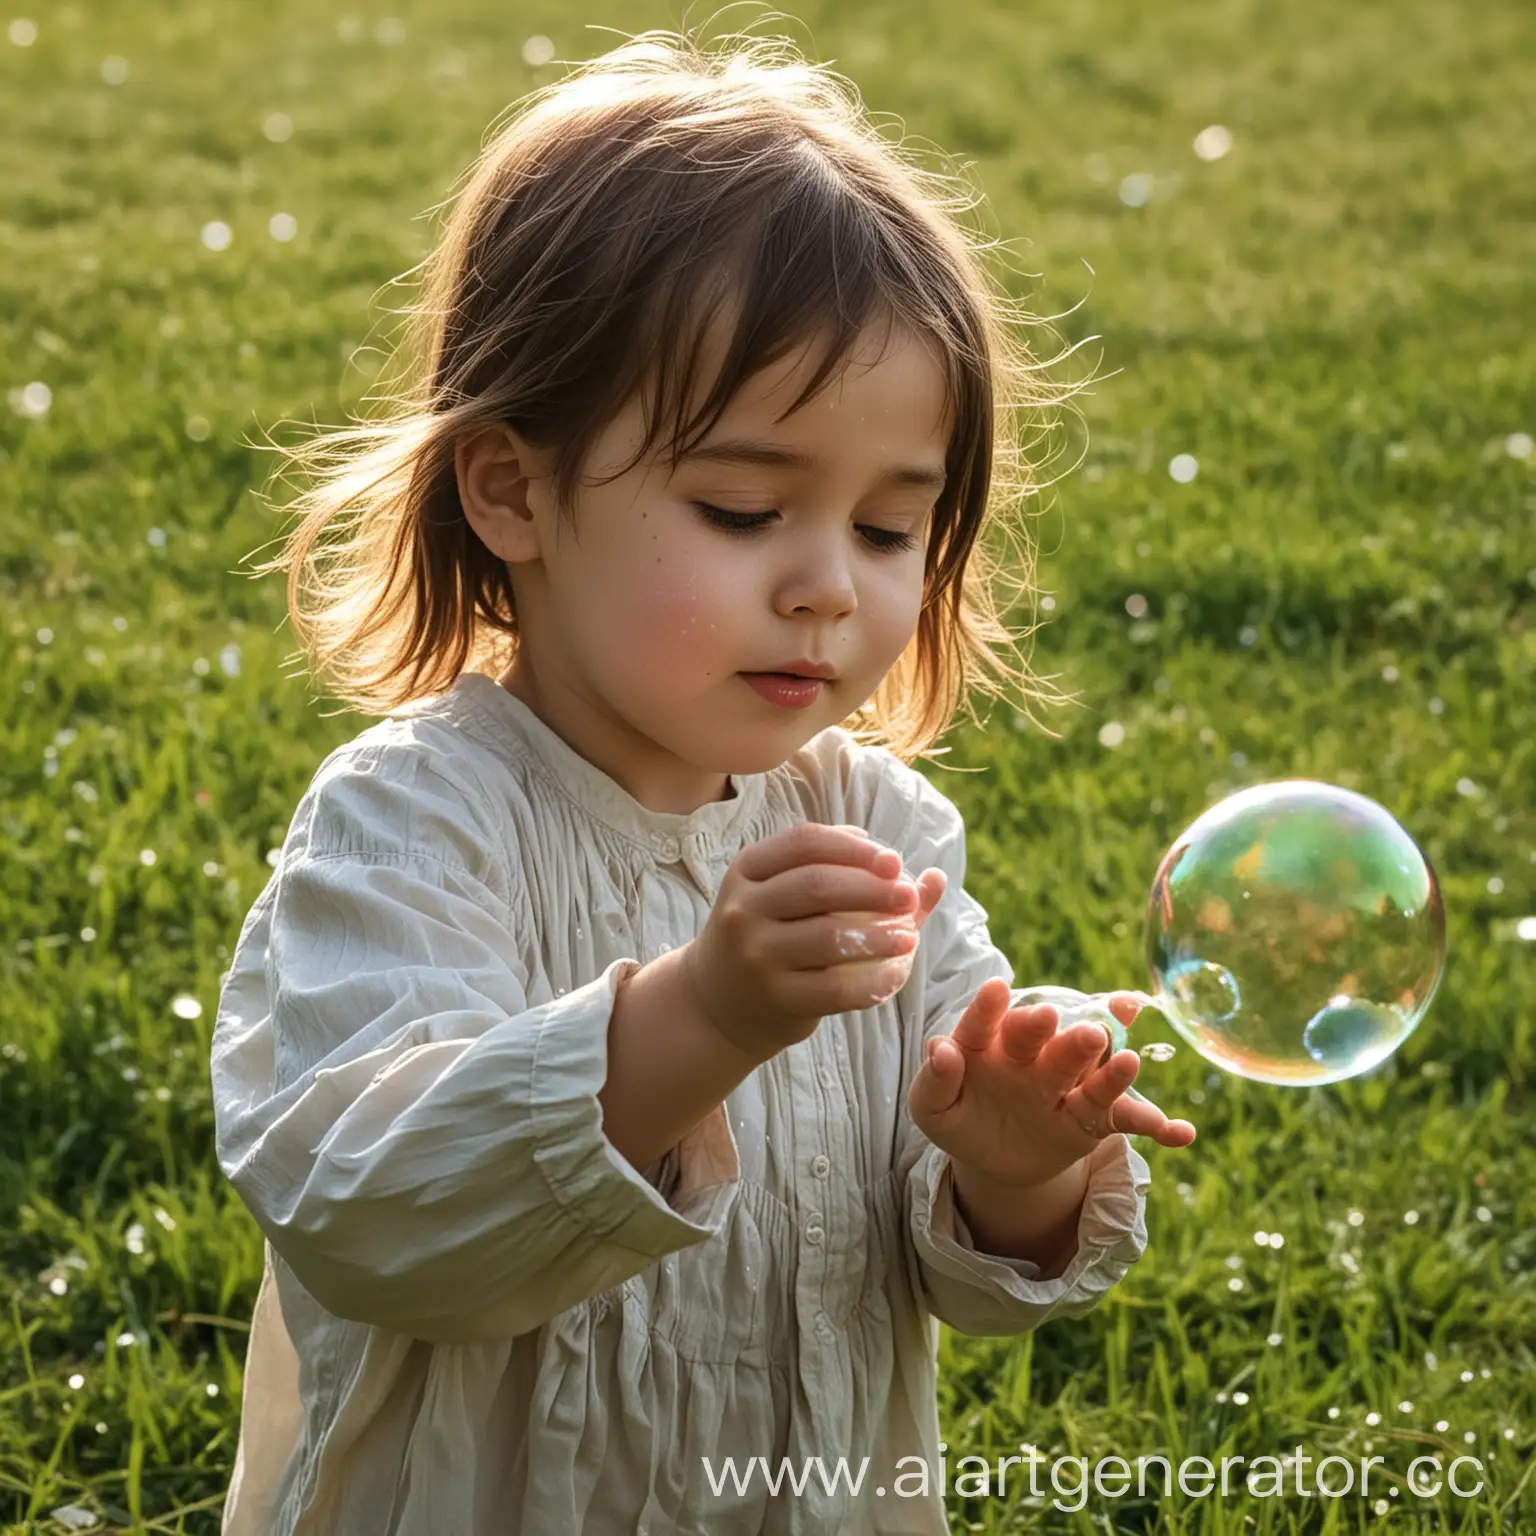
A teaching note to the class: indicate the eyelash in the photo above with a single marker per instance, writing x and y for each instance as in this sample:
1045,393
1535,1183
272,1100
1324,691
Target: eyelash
887,540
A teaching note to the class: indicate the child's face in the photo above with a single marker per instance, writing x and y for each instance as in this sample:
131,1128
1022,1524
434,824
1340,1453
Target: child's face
634,639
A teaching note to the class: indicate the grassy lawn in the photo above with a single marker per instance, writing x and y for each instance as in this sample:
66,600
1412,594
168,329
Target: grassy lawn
1334,318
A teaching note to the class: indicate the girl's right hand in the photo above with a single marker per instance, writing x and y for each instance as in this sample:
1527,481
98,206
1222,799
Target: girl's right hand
815,920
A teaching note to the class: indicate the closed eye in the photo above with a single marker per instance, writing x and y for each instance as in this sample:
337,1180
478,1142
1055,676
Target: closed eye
887,539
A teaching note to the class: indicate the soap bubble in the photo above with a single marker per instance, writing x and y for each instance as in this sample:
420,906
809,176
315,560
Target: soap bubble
1295,933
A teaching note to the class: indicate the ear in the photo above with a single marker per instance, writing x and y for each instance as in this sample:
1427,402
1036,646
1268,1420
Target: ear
502,481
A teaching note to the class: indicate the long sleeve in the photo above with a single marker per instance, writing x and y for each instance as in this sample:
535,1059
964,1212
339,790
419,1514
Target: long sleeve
976,1292
421,1145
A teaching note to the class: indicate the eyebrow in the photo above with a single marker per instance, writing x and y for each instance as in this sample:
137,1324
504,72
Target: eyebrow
741,450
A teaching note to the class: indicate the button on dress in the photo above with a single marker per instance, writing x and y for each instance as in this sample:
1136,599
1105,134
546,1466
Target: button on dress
476,1318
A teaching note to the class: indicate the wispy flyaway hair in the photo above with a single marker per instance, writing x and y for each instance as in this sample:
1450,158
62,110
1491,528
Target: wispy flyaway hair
599,233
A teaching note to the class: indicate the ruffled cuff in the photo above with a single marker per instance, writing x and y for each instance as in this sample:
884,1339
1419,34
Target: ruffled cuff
683,1197
987,1294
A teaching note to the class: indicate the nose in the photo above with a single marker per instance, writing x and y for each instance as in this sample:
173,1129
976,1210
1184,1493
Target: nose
820,578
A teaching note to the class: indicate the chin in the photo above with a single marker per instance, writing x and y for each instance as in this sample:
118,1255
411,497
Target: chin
772,757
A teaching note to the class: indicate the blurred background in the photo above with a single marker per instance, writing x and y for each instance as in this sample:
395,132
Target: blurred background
1293,533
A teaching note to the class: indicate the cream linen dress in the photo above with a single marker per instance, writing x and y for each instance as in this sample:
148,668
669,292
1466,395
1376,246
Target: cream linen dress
476,1318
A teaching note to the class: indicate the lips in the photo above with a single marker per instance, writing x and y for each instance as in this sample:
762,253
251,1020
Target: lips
807,668
785,688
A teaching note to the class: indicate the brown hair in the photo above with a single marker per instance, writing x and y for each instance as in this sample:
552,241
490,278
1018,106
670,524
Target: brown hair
577,267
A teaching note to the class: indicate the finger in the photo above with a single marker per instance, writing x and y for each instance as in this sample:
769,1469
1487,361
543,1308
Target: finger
1025,1032
873,885
1141,1117
1125,1008
979,1022
927,893
1101,1100
1103,1086
843,938
1068,1054
931,885
916,898
936,1087
1095,1123
811,842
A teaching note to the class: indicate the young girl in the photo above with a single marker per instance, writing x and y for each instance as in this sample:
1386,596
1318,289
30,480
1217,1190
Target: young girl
623,1080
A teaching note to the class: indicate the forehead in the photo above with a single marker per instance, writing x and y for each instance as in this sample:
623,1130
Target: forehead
891,382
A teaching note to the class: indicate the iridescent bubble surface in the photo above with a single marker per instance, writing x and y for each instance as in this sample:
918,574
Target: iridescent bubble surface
1295,933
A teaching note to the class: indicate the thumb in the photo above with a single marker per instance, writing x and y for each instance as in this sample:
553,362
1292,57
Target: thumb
931,885
937,1084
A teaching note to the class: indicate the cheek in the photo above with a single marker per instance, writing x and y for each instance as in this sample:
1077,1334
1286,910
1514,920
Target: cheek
893,609
682,611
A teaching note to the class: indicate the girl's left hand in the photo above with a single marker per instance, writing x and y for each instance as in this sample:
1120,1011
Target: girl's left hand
1018,1102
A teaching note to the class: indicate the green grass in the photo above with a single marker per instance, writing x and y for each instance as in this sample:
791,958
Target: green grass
1335,318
